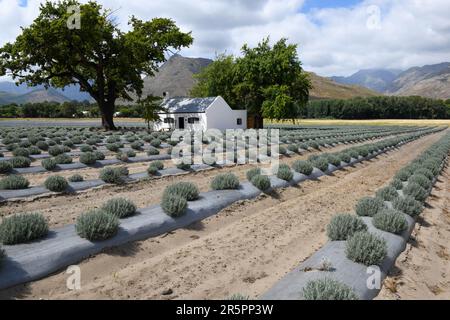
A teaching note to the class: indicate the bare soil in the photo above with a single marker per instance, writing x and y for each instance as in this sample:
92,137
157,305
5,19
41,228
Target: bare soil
244,249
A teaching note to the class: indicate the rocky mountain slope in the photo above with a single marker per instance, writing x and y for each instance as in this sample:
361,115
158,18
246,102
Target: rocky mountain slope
429,81
432,81
175,76
375,79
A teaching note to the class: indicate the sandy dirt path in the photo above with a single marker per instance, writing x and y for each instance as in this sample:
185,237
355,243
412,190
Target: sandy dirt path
61,210
244,249
423,270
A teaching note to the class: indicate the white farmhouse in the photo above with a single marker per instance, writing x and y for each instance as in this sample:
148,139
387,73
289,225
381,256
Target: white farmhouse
200,114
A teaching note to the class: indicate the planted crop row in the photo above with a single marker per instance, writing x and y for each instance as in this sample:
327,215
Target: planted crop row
388,211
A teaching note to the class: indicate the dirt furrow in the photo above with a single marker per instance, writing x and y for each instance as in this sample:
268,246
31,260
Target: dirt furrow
244,249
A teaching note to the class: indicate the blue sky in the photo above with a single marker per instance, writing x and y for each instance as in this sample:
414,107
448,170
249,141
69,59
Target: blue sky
321,4
22,3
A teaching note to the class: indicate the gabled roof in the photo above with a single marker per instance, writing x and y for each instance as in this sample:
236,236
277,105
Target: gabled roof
188,105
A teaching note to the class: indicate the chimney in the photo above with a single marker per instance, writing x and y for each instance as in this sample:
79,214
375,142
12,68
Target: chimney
166,96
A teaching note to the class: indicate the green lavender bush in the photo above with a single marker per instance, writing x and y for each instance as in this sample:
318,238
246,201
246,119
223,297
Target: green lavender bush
328,289
343,226
23,228
56,183
366,248
368,207
389,220
14,182
120,207
408,205
226,181
97,225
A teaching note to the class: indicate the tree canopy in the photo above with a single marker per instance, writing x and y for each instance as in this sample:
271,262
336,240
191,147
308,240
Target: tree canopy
267,81
104,61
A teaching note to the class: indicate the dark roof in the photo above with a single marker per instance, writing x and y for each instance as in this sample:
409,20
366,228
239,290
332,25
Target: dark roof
188,105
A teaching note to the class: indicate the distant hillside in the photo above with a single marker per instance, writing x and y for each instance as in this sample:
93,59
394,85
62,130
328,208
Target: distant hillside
378,80
175,76
432,81
34,94
38,95
325,88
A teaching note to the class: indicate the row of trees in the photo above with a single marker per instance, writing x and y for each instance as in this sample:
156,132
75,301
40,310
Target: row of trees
47,110
357,108
382,107
71,109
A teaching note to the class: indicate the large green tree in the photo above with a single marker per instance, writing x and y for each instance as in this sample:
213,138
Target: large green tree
267,81
104,61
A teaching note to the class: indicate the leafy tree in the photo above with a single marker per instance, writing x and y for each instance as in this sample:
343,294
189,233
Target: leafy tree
267,81
151,106
104,61
271,74
278,104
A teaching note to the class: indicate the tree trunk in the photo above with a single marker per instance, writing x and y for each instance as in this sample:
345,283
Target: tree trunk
107,111
255,122
259,122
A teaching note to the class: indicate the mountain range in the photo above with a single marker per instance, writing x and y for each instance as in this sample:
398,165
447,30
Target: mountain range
432,81
11,93
176,77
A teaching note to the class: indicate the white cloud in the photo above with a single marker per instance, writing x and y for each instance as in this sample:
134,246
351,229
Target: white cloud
331,41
